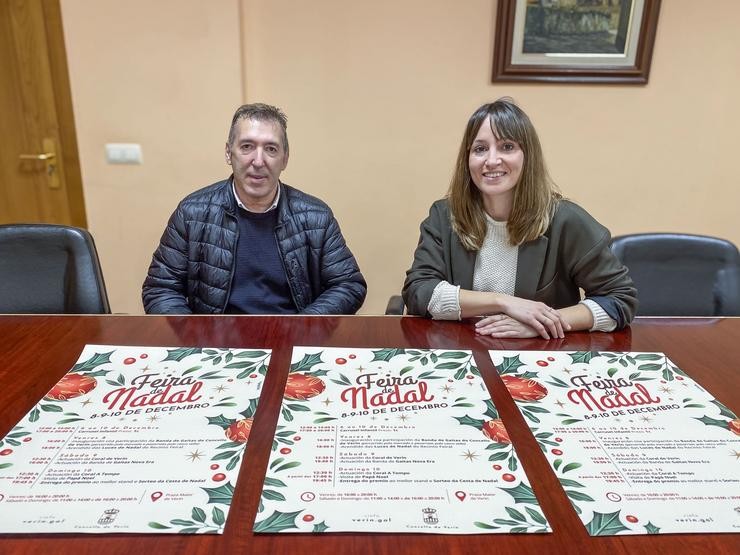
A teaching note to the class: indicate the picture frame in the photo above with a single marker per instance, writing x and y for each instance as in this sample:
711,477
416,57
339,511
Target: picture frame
575,41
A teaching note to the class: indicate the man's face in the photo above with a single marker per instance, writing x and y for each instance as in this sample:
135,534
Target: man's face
257,157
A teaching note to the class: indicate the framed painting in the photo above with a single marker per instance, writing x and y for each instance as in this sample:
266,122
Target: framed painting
575,41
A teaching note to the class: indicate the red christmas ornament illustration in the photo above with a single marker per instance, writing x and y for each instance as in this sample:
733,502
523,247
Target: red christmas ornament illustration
239,430
71,386
301,387
523,389
495,431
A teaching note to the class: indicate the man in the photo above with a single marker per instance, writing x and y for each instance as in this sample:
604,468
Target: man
251,244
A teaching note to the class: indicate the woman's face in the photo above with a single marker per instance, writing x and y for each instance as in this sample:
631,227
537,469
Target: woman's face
495,165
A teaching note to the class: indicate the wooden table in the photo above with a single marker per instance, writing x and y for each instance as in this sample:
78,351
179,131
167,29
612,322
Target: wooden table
35,351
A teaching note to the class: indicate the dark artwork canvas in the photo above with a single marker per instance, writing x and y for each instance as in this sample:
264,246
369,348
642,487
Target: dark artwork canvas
577,26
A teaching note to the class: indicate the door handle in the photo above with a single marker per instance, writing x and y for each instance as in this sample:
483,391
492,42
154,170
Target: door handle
44,156
48,156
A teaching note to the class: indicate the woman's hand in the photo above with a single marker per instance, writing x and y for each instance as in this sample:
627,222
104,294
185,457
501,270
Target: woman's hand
501,325
543,320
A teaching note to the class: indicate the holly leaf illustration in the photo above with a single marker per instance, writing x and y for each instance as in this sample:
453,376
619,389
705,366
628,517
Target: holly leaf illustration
251,409
537,517
454,354
571,466
307,362
491,410
522,494
723,410
274,482
198,514
578,496
583,356
272,495
387,354
320,527
557,382
509,365
181,352
218,516
251,354
467,421
651,528
277,522
90,364
158,526
605,524
220,421
712,422
221,494
485,526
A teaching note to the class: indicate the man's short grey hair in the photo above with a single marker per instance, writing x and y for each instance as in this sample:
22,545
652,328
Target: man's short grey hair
260,112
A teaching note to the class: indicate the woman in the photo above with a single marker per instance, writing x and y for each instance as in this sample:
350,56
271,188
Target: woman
505,245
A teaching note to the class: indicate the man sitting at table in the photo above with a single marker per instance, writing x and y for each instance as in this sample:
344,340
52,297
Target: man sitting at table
251,244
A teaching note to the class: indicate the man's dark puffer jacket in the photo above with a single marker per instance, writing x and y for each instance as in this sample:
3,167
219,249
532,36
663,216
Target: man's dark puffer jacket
191,270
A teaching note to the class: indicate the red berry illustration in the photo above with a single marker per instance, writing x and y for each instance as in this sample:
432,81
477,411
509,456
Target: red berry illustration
557,452
214,466
732,425
495,431
308,518
523,389
219,477
239,431
631,518
339,361
497,467
559,439
551,359
143,355
297,438
71,386
6,452
353,357
679,378
301,387
26,439
542,363
129,360
252,376
508,477
285,450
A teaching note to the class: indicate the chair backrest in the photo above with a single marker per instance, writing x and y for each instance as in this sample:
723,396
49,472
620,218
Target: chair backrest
681,275
50,269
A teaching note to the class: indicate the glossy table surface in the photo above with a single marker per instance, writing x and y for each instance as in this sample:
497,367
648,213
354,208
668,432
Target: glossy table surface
35,351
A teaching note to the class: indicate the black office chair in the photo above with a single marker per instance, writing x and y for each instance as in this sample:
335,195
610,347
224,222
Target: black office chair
682,275
50,269
395,305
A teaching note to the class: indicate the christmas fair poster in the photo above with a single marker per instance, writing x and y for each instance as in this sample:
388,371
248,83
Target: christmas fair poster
133,439
637,445
392,440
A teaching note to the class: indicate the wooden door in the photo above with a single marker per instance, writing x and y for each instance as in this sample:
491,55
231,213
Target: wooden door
39,168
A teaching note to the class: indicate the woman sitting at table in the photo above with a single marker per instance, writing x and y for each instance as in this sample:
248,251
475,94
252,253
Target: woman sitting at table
505,245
